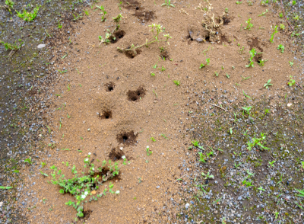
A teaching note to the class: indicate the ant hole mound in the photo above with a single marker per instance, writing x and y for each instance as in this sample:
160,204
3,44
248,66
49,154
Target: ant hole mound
131,4
110,86
254,43
164,54
258,57
227,19
86,215
132,53
144,16
225,39
106,114
116,154
127,138
137,94
117,35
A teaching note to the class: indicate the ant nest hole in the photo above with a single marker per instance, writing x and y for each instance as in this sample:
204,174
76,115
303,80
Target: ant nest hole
106,114
258,57
117,35
110,87
137,94
115,154
164,54
127,138
132,53
86,214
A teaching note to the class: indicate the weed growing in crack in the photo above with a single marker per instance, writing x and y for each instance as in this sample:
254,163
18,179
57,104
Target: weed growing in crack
249,24
291,81
28,16
207,63
272,35
156,29
281,47
81,187
257,142
168,4
252,55
268,84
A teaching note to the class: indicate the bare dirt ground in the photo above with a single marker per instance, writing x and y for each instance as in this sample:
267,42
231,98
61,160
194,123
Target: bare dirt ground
108,104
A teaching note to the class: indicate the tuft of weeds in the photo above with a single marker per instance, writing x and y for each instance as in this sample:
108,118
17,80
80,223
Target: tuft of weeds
12,47
207,63
148,151
275,30
257,142
281,47
207,175
28,16
249,24
168,4
109,34
252,55
282,26
104,13
202,157
156,29
195,143
28,160
9,5
262,62
83,187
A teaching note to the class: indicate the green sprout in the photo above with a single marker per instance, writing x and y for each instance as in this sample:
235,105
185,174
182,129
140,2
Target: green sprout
195,143
168,3
202,157
252,55
207,63
257,142
176,82
264,13
207,176
282,26
29,160
291,81
109,34
12,47
281,47
103,19
249,24
149,152
272,35
247,109
271,164
9,5
268,84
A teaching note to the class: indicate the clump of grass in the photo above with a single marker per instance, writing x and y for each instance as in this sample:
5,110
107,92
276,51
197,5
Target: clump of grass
252,55
9,5
176,82
28,16
168,4
156,30
207,63
12,47
104,13
81,186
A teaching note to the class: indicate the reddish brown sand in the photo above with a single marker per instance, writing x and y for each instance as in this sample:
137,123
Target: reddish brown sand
100,80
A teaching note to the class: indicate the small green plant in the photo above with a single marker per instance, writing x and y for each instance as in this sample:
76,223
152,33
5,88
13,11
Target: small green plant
291,63
12,47
261,189
43,164
302,163
149,152
238,2
29,160
202,157
176,82
249,24
301,193
152,74
257,142
252,55
109,34
168,3
281,47
282,26
268,84
275,30
104,13
216,74
271,163
227,75
247,109
207,63
153,139
226,10
59,25
28,16
264,2
291,81
281,15
262,62
5,188
207,176
247,183
195,143
296,17
264,13
10,5
156,29
294,2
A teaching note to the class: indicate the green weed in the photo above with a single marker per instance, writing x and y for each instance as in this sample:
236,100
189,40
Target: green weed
28,16
29,160
207,176
207,63
268,84
252,55
176,82
168,3
249,24
103,19
281,47
291,81
272,35
257,142
264,13
12,47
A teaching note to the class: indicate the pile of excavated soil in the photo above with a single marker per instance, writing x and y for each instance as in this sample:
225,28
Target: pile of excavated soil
108,104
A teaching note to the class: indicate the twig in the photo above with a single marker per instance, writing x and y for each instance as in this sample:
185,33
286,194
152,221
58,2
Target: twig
219,107
285,15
